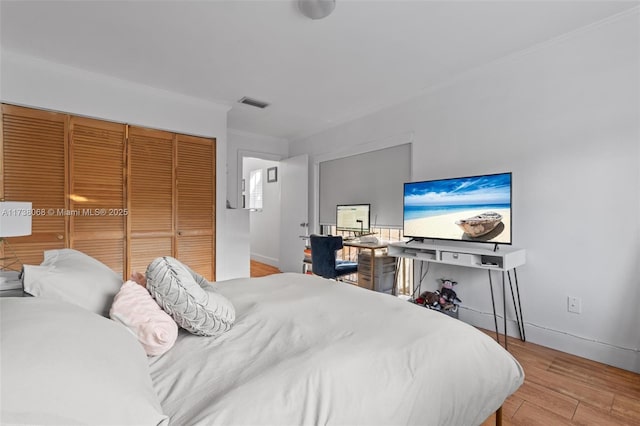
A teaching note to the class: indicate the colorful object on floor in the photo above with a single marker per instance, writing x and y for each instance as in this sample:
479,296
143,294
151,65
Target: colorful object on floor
445,300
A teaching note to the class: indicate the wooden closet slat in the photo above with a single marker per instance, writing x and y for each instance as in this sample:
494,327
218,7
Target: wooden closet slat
33,169
151,182
151,190
194,183
195,203
96,193
145,250
107,251
197,252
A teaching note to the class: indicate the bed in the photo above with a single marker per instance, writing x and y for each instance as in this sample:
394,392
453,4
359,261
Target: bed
302,350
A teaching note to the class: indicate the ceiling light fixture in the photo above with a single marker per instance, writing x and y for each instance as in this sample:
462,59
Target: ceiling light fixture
316,9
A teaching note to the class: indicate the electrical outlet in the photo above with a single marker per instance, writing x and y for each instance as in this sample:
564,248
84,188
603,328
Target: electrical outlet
574,304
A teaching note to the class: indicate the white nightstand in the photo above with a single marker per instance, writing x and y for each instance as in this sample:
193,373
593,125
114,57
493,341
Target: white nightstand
16,292
10,284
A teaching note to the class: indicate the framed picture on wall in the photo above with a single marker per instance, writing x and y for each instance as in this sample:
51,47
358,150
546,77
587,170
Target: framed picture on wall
272,174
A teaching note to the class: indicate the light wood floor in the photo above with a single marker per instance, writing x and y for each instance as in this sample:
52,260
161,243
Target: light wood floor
563,389
560,389
261,269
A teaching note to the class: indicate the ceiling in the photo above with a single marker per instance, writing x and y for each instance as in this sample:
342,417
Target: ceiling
315,73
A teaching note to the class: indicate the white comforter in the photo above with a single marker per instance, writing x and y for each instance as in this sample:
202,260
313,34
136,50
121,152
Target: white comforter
305,350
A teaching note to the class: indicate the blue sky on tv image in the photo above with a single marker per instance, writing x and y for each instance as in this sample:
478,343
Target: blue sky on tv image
437,197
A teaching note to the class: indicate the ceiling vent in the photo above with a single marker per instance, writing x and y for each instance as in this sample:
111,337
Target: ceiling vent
253,102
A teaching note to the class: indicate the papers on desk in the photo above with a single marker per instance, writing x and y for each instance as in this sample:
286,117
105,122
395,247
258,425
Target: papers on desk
369,239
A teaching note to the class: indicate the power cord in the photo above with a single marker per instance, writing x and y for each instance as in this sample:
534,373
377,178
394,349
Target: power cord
422,277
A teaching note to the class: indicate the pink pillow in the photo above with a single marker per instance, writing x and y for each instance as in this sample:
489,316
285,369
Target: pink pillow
134,308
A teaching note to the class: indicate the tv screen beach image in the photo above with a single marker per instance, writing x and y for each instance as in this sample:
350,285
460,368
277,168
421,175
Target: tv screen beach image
474,208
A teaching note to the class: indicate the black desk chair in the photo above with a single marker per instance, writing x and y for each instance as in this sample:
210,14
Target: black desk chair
323,257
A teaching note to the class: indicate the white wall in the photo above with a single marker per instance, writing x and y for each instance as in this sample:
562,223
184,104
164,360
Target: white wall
244,144
37,83
238,243
564,118
265,223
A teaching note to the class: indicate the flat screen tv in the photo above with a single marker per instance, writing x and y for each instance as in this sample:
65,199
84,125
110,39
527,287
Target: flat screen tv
474,208
353,217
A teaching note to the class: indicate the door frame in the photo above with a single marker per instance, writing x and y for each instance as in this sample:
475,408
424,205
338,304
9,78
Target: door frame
242,154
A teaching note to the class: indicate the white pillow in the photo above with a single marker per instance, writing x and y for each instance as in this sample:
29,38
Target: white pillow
134,308
62,364
173,285
72,276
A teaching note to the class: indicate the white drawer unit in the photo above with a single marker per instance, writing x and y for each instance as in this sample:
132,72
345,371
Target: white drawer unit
456,258
504,259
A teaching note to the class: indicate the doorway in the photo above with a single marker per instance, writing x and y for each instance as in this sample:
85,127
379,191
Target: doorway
286,182
260,193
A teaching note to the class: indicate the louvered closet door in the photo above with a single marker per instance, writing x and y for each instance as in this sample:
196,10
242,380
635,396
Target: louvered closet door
33,169
195,223
97,197
151,196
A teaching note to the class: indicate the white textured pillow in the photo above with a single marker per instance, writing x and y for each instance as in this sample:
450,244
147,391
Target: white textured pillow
134,308
174,287
62,364
72,276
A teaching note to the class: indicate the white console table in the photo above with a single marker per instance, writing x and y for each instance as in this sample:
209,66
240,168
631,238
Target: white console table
504,260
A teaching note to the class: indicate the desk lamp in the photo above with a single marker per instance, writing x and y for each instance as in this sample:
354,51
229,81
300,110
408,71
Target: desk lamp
15,221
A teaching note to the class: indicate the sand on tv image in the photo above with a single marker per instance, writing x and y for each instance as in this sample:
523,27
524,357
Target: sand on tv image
476,208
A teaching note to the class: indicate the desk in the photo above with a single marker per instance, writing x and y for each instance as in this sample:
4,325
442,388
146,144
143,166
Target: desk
504,260
373,247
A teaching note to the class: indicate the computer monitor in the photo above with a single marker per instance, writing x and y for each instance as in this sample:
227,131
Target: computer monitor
353,217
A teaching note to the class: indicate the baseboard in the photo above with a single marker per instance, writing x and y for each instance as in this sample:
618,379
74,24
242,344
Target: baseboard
266,259
627,359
